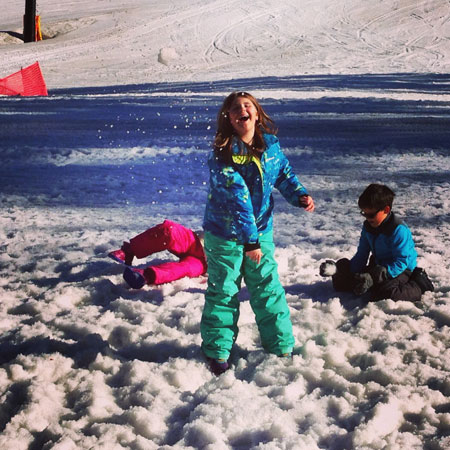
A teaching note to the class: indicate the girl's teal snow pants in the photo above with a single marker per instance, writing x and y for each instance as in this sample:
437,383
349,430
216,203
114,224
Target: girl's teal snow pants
227,265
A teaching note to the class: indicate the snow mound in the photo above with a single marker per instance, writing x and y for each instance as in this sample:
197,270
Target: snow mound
167,56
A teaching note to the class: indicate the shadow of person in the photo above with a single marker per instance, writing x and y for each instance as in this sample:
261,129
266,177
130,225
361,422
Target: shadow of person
159,352
83,352
323,292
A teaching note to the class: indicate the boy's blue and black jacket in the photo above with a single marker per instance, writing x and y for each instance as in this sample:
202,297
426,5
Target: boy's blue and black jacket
391,244
240,204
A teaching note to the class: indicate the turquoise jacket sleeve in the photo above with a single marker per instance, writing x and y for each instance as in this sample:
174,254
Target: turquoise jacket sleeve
288,184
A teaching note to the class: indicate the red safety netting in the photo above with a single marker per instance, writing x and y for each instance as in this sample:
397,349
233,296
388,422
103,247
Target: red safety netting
25,82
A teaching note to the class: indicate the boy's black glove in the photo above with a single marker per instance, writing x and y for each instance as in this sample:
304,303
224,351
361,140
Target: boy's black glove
363,282
327,268
378,273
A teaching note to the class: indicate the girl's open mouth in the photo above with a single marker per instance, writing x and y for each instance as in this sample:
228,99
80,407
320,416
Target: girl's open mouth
244,118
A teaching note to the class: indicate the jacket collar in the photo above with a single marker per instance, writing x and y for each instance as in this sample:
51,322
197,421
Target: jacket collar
239,148
387,227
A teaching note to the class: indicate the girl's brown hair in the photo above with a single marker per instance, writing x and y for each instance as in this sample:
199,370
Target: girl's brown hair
225,132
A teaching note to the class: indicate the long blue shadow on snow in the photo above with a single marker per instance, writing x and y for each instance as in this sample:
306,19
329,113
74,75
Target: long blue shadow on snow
96,119
144,115
431,83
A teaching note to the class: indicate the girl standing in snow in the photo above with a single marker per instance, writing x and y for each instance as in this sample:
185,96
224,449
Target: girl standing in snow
245,165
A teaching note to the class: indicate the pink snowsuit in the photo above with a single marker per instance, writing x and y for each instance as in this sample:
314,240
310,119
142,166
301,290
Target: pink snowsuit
178,240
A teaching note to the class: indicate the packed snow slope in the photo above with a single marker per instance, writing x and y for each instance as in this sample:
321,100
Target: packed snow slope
112,42
360,92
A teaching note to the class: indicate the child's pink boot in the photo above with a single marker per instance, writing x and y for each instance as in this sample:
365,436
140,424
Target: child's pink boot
124,255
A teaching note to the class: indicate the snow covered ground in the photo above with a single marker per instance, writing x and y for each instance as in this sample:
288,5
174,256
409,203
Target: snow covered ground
360,93
107,43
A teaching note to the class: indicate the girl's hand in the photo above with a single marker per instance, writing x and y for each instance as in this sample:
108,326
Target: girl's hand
255,255
307,202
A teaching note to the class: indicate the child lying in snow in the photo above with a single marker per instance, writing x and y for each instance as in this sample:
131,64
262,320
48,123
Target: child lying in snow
171,236
392,271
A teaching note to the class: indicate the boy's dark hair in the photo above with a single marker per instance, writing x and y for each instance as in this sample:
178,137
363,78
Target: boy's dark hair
376,196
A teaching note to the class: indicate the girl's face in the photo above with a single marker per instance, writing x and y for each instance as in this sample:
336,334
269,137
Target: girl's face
243,117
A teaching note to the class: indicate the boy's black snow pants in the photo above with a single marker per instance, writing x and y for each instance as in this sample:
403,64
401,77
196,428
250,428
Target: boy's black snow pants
398,288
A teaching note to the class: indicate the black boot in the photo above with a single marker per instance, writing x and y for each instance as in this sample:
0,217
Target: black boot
421,278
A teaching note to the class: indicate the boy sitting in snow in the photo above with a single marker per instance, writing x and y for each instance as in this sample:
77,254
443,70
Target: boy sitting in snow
391,272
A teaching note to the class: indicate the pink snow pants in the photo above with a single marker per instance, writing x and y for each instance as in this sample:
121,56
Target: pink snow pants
176,239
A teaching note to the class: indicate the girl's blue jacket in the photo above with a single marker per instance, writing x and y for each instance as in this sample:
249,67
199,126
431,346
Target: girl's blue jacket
240,203
391,244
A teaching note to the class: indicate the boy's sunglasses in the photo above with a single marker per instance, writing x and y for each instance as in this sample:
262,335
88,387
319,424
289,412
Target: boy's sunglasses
370,215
